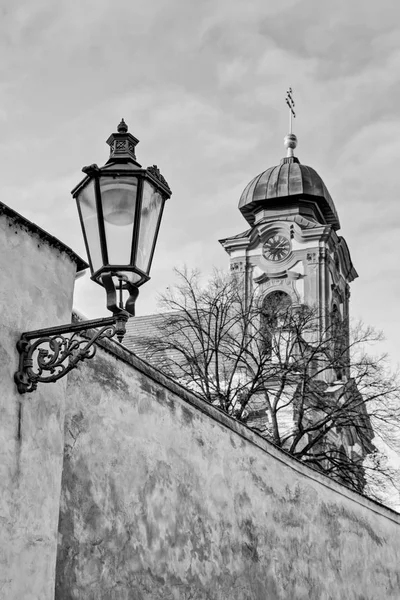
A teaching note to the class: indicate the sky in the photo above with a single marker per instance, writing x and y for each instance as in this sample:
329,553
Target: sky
202,84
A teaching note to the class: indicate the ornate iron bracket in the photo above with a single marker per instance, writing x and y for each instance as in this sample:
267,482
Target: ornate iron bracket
46,355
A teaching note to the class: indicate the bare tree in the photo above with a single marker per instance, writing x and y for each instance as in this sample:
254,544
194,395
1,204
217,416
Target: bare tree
297,376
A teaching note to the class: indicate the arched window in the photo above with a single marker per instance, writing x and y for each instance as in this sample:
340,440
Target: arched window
275,313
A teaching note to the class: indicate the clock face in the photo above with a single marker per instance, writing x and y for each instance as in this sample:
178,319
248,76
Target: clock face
277,247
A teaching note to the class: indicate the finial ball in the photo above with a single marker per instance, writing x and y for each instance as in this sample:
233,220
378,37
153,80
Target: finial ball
290,141
122,127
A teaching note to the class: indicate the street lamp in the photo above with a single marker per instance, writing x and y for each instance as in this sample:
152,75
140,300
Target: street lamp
120,207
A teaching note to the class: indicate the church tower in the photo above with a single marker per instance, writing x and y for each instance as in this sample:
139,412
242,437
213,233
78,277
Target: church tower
292,252
292,245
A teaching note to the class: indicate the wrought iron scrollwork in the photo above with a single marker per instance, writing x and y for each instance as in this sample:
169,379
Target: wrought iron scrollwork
155,171
46,355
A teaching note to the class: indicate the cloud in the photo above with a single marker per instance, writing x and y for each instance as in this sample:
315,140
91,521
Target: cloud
344,38
202,85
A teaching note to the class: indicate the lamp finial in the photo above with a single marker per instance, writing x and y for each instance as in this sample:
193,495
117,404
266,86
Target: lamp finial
122,127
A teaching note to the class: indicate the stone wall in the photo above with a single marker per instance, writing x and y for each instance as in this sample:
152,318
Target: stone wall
37,282
156,494
166,498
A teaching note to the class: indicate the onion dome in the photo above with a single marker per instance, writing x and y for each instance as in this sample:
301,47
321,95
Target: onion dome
285,184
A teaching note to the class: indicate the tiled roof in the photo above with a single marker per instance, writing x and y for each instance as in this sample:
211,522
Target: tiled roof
141,331
139,328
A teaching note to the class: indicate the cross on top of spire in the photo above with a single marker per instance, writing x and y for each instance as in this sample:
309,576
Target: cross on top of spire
290,139
291,105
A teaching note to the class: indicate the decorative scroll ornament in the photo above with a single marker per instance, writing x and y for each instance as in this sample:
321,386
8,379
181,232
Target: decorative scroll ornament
46,355
237,266
155,171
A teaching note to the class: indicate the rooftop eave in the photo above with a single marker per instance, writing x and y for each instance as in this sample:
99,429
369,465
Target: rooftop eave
235,243
51,240
351,273
330,216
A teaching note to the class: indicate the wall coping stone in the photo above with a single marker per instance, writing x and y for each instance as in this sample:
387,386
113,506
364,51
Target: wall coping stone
51,240
120,352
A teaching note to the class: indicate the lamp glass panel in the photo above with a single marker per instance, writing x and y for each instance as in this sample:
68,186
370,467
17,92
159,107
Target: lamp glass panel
152,202
87,203
118,197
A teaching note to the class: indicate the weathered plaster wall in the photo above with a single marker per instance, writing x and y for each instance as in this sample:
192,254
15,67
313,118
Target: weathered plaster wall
37,281
165,498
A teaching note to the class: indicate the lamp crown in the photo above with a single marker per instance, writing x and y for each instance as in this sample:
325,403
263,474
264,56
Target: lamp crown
122,145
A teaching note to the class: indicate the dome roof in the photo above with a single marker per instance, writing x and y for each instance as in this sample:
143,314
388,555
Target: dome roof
287,180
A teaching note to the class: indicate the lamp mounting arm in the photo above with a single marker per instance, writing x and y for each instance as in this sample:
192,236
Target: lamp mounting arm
46,355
